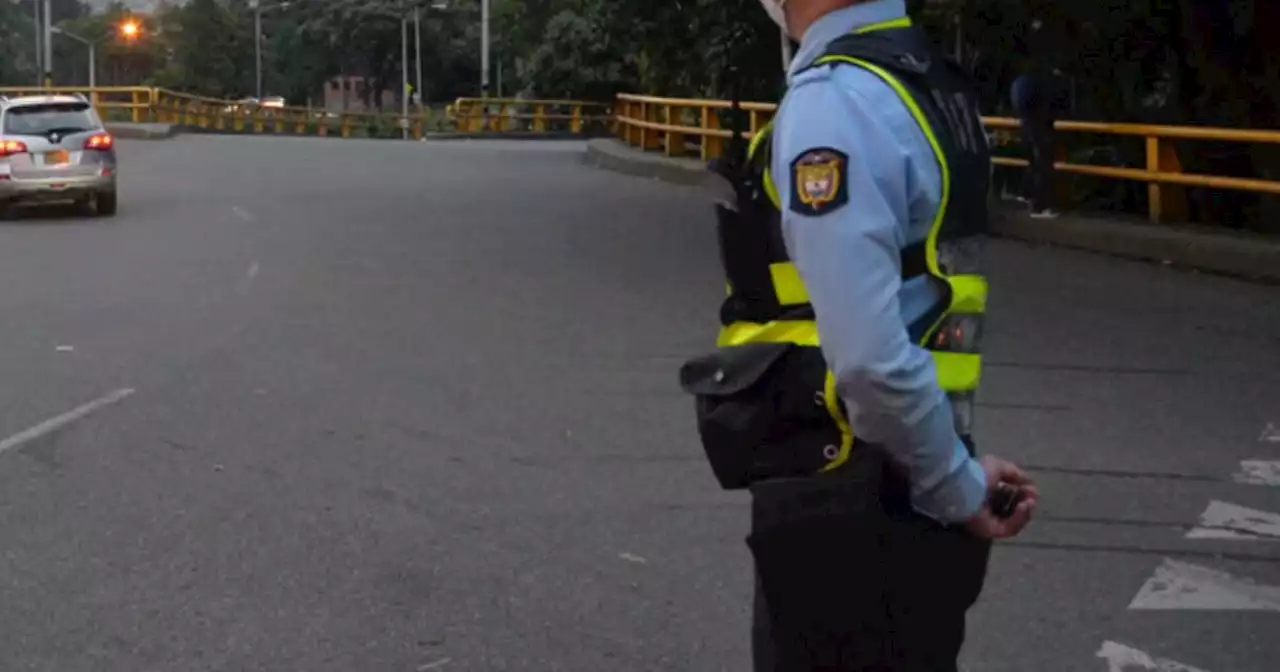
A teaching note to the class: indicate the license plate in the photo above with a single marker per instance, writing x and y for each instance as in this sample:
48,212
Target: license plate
59,157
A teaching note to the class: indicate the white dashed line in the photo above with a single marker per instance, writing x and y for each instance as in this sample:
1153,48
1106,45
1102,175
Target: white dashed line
1183,586
1121,658
436,665
1229,521
58,422
242,213
253,271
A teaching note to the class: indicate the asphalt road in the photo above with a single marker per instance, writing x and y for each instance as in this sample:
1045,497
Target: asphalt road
405,407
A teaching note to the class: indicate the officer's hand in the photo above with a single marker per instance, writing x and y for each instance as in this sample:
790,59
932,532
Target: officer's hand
986,524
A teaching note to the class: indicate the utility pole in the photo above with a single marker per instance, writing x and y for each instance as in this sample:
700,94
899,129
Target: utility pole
404,78
38,27
48,43
257,46
417,54
484,48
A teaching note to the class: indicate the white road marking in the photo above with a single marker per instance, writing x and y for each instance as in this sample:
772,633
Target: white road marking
1270,434
242,213
1179,585
58,422
1258,472
249,276
629,557
1228,521
1120,658
436,665
65,348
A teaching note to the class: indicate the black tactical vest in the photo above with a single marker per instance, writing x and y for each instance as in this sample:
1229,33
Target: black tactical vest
767,405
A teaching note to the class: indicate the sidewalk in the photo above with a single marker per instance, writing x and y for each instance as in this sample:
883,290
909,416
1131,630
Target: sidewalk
1243,255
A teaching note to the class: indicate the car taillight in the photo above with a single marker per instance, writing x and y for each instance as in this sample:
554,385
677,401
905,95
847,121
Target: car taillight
11,147
99,141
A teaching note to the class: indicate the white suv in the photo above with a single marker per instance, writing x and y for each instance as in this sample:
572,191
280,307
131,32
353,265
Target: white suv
55,149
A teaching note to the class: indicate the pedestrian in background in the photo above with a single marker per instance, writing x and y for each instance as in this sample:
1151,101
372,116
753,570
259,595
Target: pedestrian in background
1037,99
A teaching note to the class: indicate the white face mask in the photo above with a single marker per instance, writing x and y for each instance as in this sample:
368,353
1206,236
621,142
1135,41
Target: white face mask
774,9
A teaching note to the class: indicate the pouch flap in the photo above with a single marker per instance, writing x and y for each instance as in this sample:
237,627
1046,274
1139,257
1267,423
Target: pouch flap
728,371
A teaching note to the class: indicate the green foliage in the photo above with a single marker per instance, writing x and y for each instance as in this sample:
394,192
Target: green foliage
579,48
17,50
211,53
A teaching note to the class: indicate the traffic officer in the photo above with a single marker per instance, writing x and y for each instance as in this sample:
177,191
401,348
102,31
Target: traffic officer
841,392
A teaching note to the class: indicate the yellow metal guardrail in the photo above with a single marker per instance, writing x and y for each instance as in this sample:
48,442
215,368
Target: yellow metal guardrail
682,127
131,102
469,115
216,114
508,115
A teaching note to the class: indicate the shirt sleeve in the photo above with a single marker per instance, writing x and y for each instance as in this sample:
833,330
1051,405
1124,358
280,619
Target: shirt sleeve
847,183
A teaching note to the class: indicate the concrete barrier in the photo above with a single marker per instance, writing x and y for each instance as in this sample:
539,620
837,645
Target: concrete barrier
1251,256
131,131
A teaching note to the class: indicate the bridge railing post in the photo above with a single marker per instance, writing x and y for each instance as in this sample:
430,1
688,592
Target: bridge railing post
712,145
675,139
539,118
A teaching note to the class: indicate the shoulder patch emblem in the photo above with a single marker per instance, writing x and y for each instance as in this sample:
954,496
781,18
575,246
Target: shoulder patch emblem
819,181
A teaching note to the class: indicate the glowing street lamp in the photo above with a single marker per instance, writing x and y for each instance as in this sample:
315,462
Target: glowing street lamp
128,30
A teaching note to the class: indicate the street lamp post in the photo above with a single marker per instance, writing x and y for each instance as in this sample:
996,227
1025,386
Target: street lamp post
258,9
48,43
93,53
128,29
257,47
484,48
417,55
404,72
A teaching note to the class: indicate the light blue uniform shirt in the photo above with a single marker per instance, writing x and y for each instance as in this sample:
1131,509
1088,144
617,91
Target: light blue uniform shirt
849,259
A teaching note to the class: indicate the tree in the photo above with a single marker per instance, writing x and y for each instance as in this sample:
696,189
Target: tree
17,49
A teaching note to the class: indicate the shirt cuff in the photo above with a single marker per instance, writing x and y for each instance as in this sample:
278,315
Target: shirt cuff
957,497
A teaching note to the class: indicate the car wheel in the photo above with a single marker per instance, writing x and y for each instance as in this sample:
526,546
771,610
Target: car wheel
105,203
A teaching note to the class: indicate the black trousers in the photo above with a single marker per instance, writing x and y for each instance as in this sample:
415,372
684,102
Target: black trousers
1037,138
849,579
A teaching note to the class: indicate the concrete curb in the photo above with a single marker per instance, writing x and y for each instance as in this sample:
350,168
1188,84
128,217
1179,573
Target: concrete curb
565,135
1255,257
131,131
613,155
1251,256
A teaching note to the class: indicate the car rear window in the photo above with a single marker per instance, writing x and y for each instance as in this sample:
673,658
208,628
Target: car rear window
47,117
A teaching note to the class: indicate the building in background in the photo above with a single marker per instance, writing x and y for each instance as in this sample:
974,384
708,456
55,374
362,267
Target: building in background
350,93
